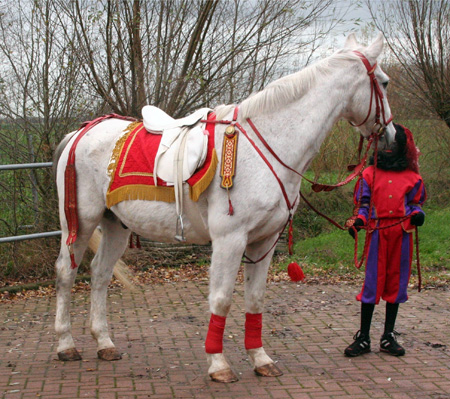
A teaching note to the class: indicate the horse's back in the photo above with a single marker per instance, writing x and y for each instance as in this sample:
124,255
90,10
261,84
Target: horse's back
92,157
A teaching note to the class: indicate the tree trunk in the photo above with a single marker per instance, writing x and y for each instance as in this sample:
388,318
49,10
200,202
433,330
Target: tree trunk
138,97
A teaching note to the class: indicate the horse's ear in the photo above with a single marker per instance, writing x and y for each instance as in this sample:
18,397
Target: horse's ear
375,49
351,42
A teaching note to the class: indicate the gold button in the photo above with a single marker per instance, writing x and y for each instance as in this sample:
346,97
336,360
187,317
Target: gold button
390,196
391,212
390,181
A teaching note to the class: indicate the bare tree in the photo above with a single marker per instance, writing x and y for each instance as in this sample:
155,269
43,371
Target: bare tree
40,97
180,54
418,33
62,62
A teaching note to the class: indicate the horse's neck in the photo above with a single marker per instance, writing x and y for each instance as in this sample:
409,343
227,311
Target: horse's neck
297,131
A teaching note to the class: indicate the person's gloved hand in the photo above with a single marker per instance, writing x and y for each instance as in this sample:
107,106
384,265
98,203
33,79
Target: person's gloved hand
356,226
418,219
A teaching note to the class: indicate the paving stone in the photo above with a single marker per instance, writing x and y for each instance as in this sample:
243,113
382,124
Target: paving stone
161,331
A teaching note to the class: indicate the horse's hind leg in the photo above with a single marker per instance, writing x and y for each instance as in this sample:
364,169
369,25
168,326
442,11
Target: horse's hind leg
255,276
64,282
113,244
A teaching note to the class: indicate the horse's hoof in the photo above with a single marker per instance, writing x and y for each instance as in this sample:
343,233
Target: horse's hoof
268,370
109,354
224,376
69,355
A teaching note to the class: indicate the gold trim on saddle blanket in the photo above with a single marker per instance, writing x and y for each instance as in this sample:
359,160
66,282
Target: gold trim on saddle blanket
229,149
197,189
147,192
114,161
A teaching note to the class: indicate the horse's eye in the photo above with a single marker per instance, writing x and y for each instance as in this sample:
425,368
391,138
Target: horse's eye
385,84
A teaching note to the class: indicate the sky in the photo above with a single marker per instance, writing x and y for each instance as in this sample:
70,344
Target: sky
357,15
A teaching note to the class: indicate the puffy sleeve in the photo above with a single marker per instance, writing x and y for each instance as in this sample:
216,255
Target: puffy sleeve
362,196
415,198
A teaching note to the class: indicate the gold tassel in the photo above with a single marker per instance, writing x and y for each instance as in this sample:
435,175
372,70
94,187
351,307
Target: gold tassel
197,189
140,192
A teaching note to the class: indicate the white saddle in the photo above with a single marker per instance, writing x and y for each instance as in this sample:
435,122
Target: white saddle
183,140
182,150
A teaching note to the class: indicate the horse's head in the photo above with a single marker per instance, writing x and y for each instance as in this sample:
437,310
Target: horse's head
369,109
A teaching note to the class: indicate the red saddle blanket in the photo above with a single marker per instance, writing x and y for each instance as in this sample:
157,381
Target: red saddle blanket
132,162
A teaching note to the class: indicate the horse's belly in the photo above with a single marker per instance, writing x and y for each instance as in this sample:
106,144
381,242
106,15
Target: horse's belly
157,221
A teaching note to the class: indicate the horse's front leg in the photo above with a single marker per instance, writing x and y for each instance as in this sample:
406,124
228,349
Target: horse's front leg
225,262
255,289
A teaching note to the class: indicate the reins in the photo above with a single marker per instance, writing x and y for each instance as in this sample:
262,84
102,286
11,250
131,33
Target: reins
375,92
356,171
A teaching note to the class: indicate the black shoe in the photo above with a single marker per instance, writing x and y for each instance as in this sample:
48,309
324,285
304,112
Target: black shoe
360,346
389,344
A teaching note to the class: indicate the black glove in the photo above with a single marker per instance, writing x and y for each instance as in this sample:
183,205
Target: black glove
356,226
418,219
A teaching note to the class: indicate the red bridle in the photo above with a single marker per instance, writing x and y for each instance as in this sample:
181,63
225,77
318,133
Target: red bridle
375,91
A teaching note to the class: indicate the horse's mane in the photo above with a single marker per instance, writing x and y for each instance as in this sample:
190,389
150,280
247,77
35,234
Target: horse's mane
288,88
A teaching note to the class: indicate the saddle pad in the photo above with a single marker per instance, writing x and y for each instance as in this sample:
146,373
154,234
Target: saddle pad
132,163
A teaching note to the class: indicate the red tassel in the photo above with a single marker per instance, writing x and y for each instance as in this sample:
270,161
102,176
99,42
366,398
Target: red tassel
131,241
290,238
295,272
73,265
138,242
230,208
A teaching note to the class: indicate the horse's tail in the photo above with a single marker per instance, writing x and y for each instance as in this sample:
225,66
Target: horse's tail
59,151
120,270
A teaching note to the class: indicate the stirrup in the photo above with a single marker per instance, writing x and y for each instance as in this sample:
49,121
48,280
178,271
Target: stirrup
180,237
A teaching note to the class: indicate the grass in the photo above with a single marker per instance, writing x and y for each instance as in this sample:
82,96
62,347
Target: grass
319,245
331,253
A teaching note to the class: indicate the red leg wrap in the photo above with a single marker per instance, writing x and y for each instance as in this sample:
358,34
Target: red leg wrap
214,339
253,328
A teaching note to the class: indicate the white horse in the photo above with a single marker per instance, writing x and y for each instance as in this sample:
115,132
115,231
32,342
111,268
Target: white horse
294,114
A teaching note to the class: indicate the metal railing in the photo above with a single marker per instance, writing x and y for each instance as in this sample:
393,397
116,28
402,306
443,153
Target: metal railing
34,235
27,166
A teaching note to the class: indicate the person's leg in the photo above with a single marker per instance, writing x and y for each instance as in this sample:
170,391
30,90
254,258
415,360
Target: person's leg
361,342
391,316
388,342
398,274
366,317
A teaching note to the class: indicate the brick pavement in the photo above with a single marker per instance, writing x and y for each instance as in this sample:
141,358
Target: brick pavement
161,332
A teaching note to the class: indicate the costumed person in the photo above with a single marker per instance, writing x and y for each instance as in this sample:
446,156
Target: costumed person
395,198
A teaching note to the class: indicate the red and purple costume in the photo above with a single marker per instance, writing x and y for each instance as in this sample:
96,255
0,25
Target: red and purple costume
394,195
389,198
